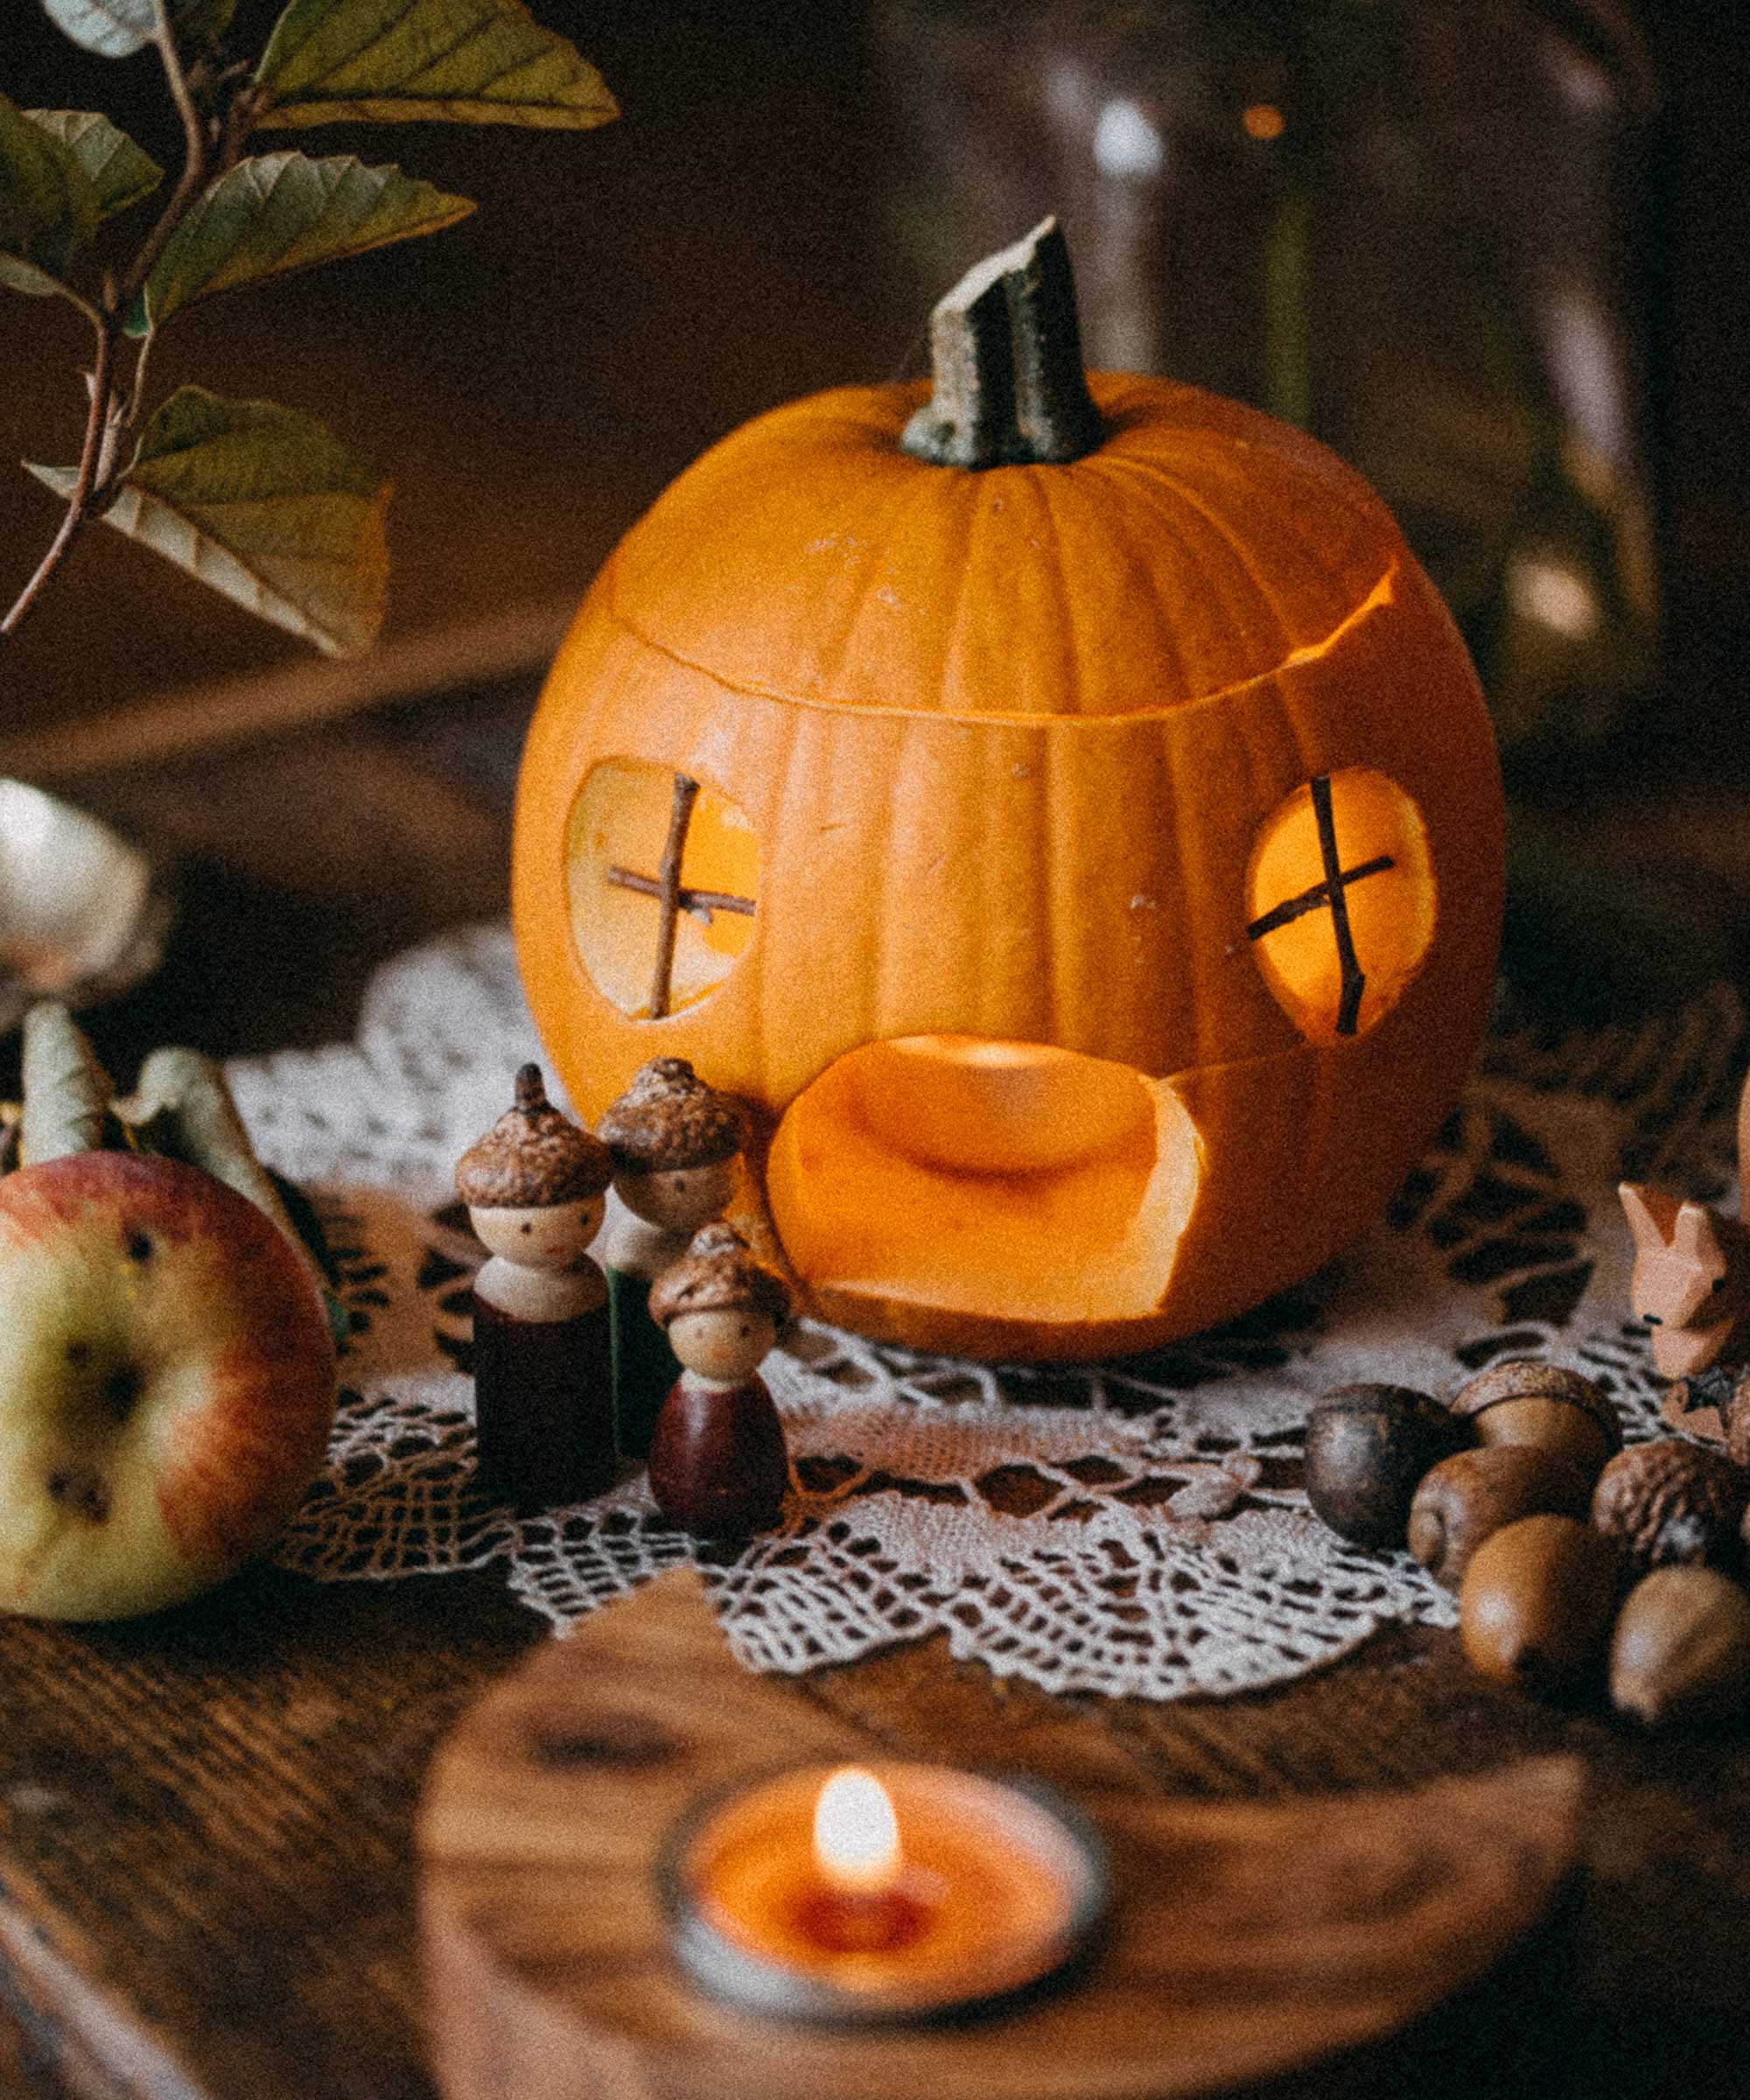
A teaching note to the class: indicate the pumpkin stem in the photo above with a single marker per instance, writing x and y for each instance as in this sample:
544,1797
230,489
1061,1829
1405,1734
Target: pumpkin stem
1005,349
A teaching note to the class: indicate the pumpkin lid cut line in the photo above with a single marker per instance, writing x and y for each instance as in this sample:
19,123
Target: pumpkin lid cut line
1380,598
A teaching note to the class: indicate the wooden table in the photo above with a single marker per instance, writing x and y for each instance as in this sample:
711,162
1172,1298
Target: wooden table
205,1870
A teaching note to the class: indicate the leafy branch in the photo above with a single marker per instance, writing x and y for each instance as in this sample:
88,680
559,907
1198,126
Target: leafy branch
261,502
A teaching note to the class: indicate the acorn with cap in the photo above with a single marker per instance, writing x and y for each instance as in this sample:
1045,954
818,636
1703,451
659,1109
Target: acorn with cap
536,1187
674,1142
719,1465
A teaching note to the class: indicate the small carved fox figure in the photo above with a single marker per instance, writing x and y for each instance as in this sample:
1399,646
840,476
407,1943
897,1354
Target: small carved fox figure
1692,1278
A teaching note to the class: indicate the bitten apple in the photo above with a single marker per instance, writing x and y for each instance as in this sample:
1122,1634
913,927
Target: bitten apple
166,1384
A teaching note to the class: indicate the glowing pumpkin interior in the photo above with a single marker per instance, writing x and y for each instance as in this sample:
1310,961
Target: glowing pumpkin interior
1340,902
1005,1180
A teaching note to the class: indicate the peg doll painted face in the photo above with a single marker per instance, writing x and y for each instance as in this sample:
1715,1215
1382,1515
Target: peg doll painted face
674,1142
536,1184
721,1308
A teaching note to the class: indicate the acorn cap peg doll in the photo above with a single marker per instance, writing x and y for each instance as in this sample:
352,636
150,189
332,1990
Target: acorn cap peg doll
535,1187
675,1144
719,1465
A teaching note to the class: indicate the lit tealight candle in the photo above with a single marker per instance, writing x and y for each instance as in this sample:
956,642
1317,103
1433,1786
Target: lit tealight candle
895,1893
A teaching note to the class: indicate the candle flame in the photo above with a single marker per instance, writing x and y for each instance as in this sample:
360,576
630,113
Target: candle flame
857,1835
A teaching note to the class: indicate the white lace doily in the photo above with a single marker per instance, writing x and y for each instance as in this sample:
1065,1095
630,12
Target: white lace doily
1135,1527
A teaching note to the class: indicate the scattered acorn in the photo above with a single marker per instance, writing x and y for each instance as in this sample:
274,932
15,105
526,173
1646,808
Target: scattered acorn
1671,1501
1473,1495
1547,1404
1535,1605
1681,1651
1367,1447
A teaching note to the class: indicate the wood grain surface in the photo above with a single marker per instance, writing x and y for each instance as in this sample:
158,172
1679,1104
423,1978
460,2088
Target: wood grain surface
1245,1940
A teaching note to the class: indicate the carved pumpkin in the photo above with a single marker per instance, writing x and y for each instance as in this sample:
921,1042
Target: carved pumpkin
1087,857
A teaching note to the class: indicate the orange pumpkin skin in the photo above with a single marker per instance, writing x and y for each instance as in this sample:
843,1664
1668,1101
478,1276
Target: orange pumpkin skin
1007,740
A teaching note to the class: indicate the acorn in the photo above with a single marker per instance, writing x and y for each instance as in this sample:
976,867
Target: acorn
1367,1447
1680,1652
1537,1602
1546,1404
1671,1501
1471,1495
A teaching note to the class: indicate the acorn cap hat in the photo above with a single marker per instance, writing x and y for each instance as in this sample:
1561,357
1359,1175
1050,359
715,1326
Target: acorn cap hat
533,1158
668,1118
717,1274
1524,1378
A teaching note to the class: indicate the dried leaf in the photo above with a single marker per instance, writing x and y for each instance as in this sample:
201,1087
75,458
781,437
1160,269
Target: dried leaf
470,61
120,173
114,29
48,203
264,505
282,212
67,1091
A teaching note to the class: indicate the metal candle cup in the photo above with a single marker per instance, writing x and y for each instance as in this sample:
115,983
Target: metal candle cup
886,1893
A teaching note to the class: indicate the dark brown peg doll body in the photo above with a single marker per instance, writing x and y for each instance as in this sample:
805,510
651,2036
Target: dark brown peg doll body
535,1186
718,1464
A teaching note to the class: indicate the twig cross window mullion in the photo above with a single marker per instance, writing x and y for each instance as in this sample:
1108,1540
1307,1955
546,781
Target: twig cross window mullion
1330,895
672,897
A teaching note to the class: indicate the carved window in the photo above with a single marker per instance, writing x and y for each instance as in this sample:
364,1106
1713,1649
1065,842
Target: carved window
663,876
1340,901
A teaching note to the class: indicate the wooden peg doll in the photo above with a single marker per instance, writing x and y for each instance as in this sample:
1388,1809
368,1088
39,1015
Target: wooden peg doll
719,1465
535,1187
674,1142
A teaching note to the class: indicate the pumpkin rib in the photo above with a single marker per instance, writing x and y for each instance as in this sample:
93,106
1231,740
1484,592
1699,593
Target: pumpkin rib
1367,514
1308,652
958,623
1242,557
913,499
1062,630
1262,604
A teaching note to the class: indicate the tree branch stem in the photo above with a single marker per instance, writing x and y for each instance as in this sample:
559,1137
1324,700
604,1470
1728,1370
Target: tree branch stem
79,503
98,455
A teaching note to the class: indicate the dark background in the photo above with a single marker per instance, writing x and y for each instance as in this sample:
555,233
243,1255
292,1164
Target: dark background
533,377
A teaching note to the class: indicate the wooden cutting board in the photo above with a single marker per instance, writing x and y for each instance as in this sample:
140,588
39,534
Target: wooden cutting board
1247,1939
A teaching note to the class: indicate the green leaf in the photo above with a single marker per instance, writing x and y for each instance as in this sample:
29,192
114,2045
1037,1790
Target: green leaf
48,203
264,505
62,173
120,172
283,211
469,61
114,29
